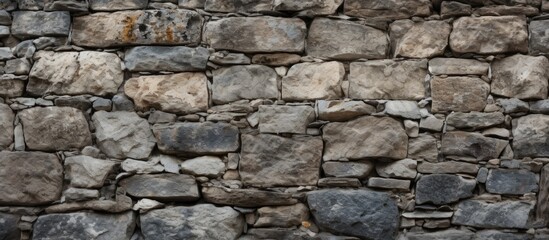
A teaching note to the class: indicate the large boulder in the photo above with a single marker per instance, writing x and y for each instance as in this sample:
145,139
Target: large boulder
244,82
443,188
6,126
311,81
162,187
164,58
520,76
388,9
31,24
285,119
511,181
247,198
530,136
471,146
424,39
461,94
506,214
87,172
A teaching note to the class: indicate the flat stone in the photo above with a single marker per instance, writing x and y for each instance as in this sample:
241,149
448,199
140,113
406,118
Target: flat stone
202,221
162,27
450,9
10,88
520,76
162,187
79,102
271,34
348,169
424,39
495,234
32,24
9,225
208,166
353,40
246,197
405,168
431,123
530,136
450,234
285,119
443,188
418,214
506,214
360,213
282,216
6,126
489,35
244,82
224,58
403,109
30,178
238,6
471,146
66,5
197,138
354,139
461,94
458,66
542,207
474,120
502,10
335,182
511,181
388,10
74,73
55,128
163,58
309,9
117,5
539,37
80,194
84,225
448,167
312,81
141,167
87,172
180,93
108,206
265,158
341,110
388,79
276,59
389,183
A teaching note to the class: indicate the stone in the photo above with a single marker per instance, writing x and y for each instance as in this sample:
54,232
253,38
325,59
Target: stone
18,138
161,117
244,82
121,103
461,94
497,132
443,189
489,35
123,135
448,167
284,233
5,17
360,213
162,187
388,10
141,167
542,208
80,194
388,79
238,6
79,102
418,214
55,128
6,126
471,146
102,104
310,9
271,34
511,181
412,128
539,38
520,76
405,168
246,197
348,169
403,109
540,106
312,81
66,5
117,5
451,234
122,204
424,39
389,183
164,58
9,226
24,49
513,105
19,66
506,214
335,182
474,120
180,93
341,110
495,234
285,119
506,10
145,205
29,178
74,73
84,225
450,9
270,160
530,136
87,172
30,4
138,27
224,58
276,59
457,66
202,221
32,24
282,216
353,40
209,166
354,139
10,88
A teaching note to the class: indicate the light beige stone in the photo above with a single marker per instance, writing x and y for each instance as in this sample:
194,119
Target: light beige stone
520,76
458,66
341,110
462,94
424,39
87,172
311,81
282,216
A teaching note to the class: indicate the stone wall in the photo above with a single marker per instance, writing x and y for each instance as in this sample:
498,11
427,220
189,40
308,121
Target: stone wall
274,119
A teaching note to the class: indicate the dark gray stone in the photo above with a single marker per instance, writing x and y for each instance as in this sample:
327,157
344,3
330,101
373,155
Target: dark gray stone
30,4
506,214
163,58
6,126
474,120
471,146
162,187
246,197
8,227
511,181
387,9
539,37
541,106
27,24
513,105
443,188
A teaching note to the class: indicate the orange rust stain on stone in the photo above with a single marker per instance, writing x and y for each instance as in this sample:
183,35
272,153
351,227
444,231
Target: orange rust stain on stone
169,34
127,31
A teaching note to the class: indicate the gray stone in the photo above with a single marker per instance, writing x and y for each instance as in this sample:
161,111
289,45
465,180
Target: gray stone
5,17
511,181
530,136
499,235
285,119
203,221
116,5
412,128
25,49
348,169
450,9
539,37
541,106
388,10
191,4
208,166
276,59
474,120
269,160
31,24
334,182
66,5
161,117
163,58
389,183
471,146
81,103
244,82
468,94
403,109
312,81
8,227
6,126
282,216
19,66
502,10
506,214
102,104
448,167
224,58
457,66
425,39
123,203
418,214
121,103
141,167
238,6
443,189
8,5
345,40
30,4
450,234
80,194
513,105
520,76
171,164
4,31
341,110
246,197
5,53
87,172
10,88
308,8
542,208
360,213
162,187
405,168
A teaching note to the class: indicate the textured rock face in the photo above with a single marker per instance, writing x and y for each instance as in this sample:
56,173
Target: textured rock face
520,76
283,216
246,197
208,166
6,126
539,37
507,214
8,226
462,94
471,146
339,111
392,9
114,5
162,187
55,128
511,181
474,120
347,169
448,167
87,172
30,178
310,81
443,189
244,82
456,66
161,58
285,119
419,40
178,93
423,147
531,135
29,24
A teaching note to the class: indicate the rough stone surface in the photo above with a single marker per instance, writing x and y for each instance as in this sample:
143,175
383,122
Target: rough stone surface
209,166
474,120
511,181
392,9
141,167
539,37
31,24
162,187
506,214
423,147
389,183
405,168
244,82
403,109
66,5
448,167
348,169
162,58
471,146
11,88
445,234
282,216
87,172
285,119
419,39
311,81
457,66
339,111
462,94
520,76
116,5
246,197
531,135
8,227
6,126
443,188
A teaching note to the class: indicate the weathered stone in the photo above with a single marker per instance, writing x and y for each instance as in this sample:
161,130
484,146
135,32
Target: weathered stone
80,194
265,158
276,59
55,128
246,197
79,102
238,6
282,216
66,5
161,117
471,146
506,214
286,233
431,123
404,109
224,58
443,188
457,66
10,88
539,37
208,166
271,34
388,79
178,93
412,128
450,9
244,82
348,169
340,110
360,213
203,221
87,172
389,183
334,182
30,178
405,168
392,9
31,24
121,103
285,119
448,167
474,120
6,126
540,106
18,66
353,40
122,204
73,73
116,5
141,167
501,10
143,27
495,234
8,227
356,139
424,39
30,4
530,136
542,209
462,94
489,35
511,181
197,138
311,81
162,58
162,187
308,8
450,234
84,225
427,214
520,76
